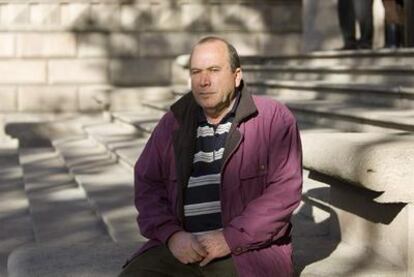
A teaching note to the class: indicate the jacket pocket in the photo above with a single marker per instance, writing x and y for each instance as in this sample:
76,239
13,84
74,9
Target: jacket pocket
252,181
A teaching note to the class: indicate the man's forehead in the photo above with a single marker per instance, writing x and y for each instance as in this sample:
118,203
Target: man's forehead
209,51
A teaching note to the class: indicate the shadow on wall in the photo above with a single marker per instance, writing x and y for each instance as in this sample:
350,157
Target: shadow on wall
140,41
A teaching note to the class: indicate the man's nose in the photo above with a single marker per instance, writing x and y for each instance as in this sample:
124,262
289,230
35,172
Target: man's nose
205,79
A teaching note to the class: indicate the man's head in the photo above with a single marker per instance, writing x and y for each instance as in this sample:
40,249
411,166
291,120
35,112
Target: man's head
215,74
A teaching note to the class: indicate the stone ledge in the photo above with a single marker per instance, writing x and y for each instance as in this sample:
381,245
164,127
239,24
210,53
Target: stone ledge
374,161
81,260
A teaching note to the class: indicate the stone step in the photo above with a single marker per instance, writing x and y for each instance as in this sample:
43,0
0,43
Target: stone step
337,114
352,117
323,257
16,225
108,184
392,74
80,260
59,208
371,94
381,57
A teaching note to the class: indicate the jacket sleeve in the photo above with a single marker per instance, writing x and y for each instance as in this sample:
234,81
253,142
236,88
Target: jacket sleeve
156,217
267,218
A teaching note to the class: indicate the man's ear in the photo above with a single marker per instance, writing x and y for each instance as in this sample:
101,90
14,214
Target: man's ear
239,76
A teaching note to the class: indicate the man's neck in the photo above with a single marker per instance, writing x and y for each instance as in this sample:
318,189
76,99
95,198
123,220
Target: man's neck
214,117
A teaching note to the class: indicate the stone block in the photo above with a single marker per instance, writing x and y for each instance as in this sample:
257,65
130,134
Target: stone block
7,45
74,14
124,44
382,228
105,16
93,44
245,43
46,45
285,17
17,71
103,259
238,17
165,16
166,44
43,14
87,71
16,14
93,98
8,97
136,17
140,71
47,99
279,44
196,17
379,162
131,98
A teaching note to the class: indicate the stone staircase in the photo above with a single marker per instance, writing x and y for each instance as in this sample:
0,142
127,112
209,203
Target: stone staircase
67,192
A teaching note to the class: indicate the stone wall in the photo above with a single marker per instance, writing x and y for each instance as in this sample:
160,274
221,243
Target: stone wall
57,55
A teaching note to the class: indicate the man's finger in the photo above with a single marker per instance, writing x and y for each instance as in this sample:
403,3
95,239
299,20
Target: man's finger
199,249
206,260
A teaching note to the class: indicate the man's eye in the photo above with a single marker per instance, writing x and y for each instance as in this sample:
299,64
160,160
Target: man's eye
215,69
195,72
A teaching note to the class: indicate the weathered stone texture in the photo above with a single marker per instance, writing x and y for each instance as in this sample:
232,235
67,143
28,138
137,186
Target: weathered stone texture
47,98
46,45
236,17
22,72
93,45
89,71
274,44
140,72
7,45
136,17
8,101
125,44
105,16
45,14
166,44
93,98
195,17
73,14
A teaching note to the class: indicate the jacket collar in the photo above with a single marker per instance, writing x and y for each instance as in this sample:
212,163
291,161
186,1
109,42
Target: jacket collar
187,105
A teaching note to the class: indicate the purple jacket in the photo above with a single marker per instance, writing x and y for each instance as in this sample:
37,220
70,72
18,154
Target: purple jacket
260,188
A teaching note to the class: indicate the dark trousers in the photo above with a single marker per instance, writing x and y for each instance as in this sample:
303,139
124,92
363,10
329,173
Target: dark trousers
350,12
159,262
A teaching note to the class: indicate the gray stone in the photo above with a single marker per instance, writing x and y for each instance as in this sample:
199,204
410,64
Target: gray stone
8,99
81,260
48,99
22,72
7,45
375,161
88,71
59,209
46,45
142,72
166,44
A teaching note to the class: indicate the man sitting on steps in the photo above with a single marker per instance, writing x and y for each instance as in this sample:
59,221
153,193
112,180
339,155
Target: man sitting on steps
219,178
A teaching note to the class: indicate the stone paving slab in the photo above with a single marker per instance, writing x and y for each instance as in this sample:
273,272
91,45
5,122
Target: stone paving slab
80,260
16,225
59,208
358,117
325,258
109,186
375,161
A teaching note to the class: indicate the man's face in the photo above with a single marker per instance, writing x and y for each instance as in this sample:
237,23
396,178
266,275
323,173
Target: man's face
212,80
